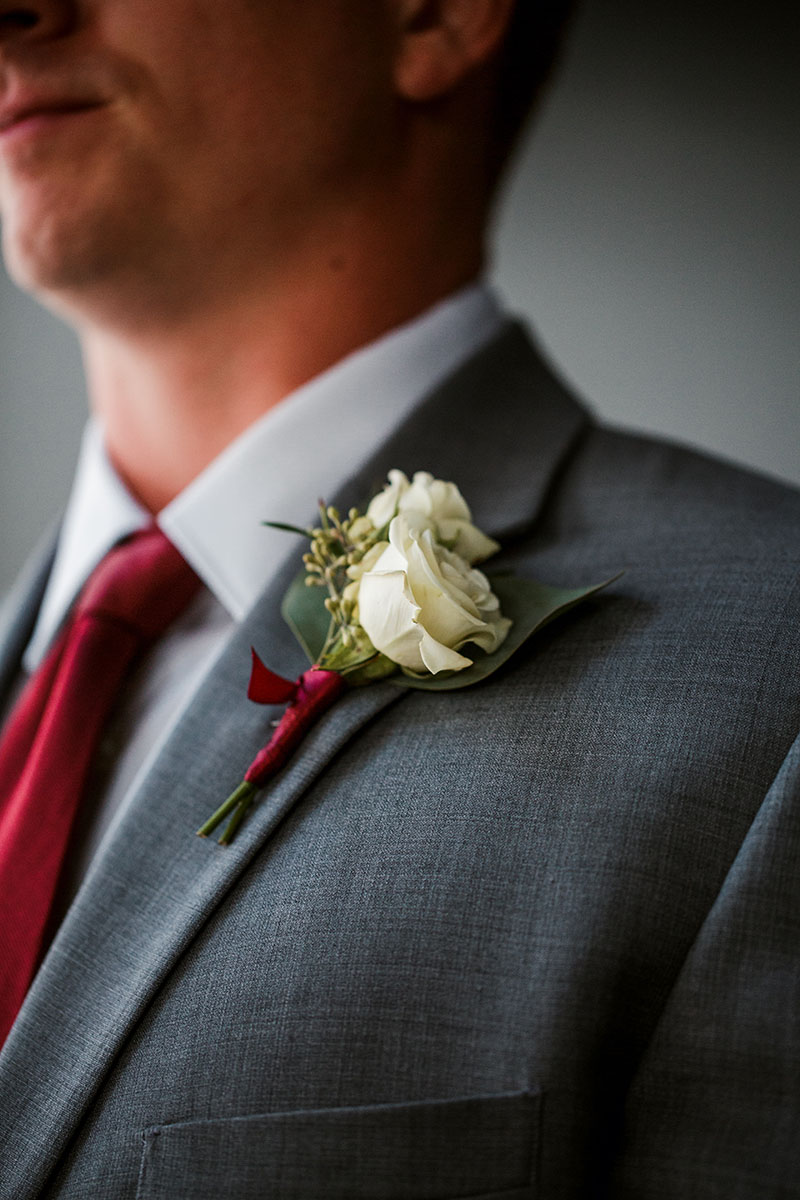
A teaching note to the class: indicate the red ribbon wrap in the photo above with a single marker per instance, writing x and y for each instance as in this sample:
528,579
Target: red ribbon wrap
311,696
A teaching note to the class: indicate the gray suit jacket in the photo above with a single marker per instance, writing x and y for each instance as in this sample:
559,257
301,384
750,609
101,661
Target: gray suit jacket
538,938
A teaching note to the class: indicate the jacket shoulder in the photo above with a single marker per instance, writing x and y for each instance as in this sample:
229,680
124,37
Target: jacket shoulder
662,493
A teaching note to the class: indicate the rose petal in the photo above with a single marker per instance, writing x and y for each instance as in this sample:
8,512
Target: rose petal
383,507
447,613
467,540
388,613
437,657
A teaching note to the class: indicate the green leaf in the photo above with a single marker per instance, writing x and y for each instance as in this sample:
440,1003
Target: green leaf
530,605
303,609
284,528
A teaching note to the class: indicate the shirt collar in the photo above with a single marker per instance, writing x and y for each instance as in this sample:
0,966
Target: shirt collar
306,446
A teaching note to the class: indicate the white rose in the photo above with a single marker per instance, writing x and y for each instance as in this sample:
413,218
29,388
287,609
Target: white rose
436,505
420,602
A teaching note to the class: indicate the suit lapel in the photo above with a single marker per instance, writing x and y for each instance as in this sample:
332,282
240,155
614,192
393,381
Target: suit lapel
18,612
500,427
153,884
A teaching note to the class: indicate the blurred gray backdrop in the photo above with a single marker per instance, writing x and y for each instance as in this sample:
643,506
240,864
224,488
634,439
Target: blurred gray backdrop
649,234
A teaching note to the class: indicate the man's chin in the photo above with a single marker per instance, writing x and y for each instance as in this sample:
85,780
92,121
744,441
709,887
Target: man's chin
52,259
33,267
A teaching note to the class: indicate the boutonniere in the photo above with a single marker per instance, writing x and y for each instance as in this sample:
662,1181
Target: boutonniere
394,592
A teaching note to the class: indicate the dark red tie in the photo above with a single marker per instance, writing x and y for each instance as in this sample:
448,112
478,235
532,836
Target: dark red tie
47,745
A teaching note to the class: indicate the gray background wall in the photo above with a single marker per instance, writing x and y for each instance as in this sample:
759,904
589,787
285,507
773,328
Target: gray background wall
648,232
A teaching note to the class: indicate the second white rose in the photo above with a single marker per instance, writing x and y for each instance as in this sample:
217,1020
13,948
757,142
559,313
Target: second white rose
420,602
436,505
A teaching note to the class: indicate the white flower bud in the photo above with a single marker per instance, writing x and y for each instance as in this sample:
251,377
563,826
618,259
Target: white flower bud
436,505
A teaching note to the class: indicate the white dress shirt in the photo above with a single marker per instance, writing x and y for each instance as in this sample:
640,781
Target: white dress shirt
305,447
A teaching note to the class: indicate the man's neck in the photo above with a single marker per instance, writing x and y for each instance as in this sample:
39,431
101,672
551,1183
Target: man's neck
172,399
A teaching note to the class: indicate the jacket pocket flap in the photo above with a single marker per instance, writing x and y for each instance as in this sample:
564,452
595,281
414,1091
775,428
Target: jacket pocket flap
434,1150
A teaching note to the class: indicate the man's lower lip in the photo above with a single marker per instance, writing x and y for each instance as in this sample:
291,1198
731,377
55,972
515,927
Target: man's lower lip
42,122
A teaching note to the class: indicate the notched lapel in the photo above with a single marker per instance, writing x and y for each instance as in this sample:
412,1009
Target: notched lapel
152,887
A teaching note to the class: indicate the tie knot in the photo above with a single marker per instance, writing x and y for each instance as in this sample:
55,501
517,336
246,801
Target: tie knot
143,582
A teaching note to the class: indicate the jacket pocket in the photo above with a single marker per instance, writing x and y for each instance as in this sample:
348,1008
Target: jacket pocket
481,1147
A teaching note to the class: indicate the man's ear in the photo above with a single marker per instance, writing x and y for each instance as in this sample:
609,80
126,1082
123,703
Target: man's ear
441,41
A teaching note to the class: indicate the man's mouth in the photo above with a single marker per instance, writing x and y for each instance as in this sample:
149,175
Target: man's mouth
35,113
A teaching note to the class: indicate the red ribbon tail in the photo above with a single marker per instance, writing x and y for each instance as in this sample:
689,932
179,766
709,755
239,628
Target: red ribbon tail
268,688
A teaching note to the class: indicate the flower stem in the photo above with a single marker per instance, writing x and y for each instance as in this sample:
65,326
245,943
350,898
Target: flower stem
242,796
314,693
238,816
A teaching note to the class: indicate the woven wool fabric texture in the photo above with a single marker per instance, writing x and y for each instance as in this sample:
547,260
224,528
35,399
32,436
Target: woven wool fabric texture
575,883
